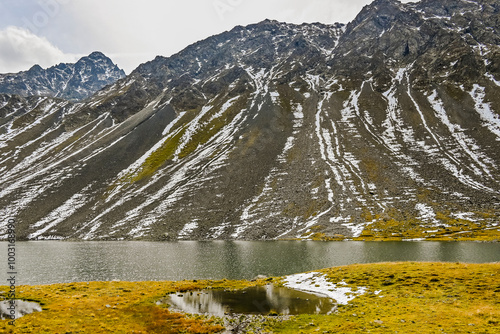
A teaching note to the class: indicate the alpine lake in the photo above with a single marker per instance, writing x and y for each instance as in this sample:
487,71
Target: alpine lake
50,262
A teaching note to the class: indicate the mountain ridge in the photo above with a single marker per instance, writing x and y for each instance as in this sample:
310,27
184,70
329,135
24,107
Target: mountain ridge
385,128
65,80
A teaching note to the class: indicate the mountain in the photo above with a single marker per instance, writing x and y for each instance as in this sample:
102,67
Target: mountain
68,81
385,127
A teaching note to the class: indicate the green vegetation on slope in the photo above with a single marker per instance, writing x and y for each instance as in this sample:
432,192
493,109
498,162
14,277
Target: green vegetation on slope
207,128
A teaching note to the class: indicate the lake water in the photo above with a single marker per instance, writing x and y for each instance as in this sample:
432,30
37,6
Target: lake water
46,262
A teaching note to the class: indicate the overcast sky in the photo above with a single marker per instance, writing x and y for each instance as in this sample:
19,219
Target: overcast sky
47,32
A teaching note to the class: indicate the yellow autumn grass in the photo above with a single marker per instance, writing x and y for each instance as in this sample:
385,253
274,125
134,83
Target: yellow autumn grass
412,297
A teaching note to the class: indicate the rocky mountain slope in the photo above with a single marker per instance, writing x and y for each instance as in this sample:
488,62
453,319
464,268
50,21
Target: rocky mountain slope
68,81
387,127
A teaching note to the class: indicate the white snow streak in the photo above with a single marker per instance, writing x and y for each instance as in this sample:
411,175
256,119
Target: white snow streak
318,283
467,144
426,213
188,229
61,213
490,119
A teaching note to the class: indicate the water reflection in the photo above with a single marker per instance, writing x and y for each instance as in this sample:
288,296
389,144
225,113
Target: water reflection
397,251
57,262
255,300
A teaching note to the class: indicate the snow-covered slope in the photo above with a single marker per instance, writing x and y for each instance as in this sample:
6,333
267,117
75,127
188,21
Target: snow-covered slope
274,131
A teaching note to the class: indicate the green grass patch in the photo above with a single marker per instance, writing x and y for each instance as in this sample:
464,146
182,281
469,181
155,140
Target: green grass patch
159,157
210,128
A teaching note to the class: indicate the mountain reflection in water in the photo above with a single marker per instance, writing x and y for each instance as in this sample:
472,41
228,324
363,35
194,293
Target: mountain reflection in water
267,299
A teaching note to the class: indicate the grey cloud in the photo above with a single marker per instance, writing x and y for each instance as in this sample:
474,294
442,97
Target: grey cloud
20,49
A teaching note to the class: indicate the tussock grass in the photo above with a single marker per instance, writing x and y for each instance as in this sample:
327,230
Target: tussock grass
414,298
407,297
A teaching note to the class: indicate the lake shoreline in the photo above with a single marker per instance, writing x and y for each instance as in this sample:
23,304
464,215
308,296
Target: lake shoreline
47,262
364,239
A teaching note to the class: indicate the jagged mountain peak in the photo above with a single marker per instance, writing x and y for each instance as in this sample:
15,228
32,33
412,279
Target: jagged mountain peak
97,55
100,58
268,36
431,37
253,48
65,80
35,69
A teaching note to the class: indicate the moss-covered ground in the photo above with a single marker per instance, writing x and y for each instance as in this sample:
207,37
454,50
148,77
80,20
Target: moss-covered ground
413,298
452,229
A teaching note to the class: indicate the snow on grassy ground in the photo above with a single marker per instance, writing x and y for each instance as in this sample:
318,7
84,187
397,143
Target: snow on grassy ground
316,282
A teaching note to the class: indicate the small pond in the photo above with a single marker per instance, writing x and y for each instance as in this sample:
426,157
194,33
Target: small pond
265,300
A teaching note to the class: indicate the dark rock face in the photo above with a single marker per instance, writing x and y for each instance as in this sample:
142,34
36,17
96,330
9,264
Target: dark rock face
273,131
68,81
